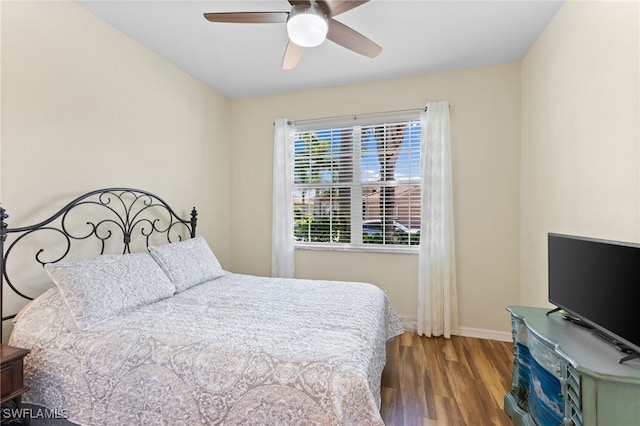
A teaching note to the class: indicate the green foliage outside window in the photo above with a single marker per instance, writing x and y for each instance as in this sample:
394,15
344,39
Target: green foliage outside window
319,229
325,229
398,238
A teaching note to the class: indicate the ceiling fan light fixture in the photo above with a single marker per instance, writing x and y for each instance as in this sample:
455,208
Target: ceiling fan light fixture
307,26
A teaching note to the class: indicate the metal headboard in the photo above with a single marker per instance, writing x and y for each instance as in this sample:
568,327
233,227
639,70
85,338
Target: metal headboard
111,218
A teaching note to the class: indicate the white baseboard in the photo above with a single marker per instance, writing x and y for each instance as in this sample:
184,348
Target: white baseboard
503,336
411,325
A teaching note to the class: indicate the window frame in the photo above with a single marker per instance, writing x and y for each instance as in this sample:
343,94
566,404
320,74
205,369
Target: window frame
356,220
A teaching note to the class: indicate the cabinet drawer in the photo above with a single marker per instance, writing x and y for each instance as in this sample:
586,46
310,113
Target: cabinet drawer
7,375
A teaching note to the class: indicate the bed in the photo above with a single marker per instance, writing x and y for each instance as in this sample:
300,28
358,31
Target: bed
145,327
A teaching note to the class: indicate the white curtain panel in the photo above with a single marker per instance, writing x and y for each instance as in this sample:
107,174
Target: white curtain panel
282,260
437,292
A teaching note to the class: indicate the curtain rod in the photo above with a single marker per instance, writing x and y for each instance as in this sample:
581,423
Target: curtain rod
355,116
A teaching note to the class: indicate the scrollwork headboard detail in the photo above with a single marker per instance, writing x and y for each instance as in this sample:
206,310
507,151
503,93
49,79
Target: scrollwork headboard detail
110,220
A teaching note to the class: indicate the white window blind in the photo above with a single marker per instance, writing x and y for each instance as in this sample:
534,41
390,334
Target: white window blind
358,185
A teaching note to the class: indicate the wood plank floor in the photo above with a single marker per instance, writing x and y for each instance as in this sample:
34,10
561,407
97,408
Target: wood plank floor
433,381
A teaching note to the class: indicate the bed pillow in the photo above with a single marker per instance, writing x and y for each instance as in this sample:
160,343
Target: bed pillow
105,286
187,263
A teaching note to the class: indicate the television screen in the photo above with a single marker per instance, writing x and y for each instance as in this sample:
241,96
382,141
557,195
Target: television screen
598,282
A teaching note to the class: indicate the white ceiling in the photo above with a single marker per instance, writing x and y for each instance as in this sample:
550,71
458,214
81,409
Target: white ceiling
244,60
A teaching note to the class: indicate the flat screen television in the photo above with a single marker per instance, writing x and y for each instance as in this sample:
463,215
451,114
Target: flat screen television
597,282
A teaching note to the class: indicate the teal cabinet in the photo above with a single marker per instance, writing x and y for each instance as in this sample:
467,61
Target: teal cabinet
563,374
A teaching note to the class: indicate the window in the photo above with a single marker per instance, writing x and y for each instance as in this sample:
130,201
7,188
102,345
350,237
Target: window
358,185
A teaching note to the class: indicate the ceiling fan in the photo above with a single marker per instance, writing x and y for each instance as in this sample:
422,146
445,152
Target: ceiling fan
309,23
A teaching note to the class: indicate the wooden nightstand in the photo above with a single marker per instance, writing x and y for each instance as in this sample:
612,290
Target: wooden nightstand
11,380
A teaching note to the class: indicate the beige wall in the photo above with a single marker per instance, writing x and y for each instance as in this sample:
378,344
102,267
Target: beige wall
580,133
485,120
85,107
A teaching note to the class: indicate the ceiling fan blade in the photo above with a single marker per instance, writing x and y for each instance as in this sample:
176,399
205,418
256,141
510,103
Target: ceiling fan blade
335,7
248,17
351,39
297,2
292,56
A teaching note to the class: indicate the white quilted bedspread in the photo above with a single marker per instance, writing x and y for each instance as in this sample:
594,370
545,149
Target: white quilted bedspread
237,350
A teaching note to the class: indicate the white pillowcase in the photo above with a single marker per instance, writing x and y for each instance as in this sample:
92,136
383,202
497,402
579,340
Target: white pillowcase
108,285
187,263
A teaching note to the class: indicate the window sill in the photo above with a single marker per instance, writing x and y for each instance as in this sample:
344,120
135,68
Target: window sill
361,249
